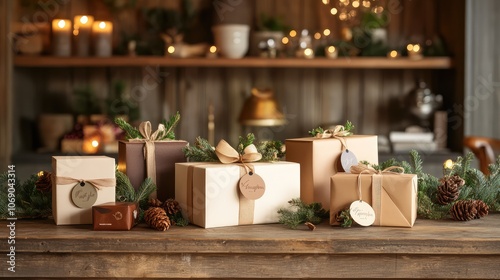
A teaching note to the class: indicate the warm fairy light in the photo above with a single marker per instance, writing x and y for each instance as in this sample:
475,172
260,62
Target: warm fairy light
448,164
102,25
366,4
95,143
343,16
331,49
326,32
76,32
393,54
334,11
409,47
84,19
171,49
416,48
378,9
213,49
285,40
293,33
308,52
352,13
326,2
40,174
317,35
61,23
355,4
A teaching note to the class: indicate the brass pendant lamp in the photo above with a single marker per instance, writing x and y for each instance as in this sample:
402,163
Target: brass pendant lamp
261,109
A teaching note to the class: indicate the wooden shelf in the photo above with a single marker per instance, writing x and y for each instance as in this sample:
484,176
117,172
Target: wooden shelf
248,62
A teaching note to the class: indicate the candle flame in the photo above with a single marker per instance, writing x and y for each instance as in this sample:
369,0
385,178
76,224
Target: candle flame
308,52
95,143
393,54
409,47
61,23
213,49
102,25
331,49
171,49
416,48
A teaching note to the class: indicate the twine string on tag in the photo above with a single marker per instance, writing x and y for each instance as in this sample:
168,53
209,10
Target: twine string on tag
338,133
96,183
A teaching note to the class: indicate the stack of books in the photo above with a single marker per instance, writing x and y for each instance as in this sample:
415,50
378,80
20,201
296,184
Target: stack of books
405,141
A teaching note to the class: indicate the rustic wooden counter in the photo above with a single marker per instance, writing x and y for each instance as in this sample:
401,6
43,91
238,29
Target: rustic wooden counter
430,250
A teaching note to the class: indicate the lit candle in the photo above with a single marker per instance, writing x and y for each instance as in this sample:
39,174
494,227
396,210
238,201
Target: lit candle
102,31
61,37
331,52
393,54
82,28
414,51
308,53
212,52
91,144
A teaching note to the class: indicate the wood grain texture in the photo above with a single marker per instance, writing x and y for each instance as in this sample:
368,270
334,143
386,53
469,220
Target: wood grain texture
430,250
5,83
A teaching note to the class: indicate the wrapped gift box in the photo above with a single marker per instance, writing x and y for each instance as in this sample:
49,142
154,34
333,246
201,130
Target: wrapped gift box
131,162
320,159
394,202
115,216
67,171
209,194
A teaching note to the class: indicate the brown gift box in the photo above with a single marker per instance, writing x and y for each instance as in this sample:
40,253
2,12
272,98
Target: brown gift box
131,162
320,159
395,203
115,216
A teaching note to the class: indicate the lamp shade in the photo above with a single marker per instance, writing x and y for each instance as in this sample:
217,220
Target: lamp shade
261,109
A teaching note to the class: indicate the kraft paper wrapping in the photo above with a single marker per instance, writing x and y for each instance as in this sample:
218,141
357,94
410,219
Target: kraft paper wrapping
115,216
81,168
211,189
395,203
320,159
131,162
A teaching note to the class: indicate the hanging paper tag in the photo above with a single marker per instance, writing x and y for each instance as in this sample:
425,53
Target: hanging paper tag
84,195
348,159
362,213
252,186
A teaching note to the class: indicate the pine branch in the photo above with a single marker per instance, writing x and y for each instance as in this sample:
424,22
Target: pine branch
315,131
147,188
132,132
299,213
245,142
170,126
201,151
271,150
125,192
416,162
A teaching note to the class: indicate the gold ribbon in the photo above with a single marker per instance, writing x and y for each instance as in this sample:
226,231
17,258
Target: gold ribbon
149,147
376,184
338,133
96,183
228,154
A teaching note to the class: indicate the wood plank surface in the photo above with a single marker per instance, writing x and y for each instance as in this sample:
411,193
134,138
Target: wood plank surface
430,250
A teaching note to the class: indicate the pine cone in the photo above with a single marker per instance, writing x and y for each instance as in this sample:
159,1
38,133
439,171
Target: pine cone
154,202
466,210
171,206
482,209
157,218
44,181
449,189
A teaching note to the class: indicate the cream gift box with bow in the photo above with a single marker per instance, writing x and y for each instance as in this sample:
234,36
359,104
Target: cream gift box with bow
392,195
210,196
319,159
78,183
149,157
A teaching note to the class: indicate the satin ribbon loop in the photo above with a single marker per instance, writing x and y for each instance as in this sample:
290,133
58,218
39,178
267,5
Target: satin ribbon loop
96,183
228,154
338,132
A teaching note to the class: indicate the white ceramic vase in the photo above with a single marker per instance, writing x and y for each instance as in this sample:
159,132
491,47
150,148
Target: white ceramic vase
231,40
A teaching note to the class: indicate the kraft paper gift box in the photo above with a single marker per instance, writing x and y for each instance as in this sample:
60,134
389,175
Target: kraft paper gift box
115,216
319,159
394,200
209,196
98,173
132,162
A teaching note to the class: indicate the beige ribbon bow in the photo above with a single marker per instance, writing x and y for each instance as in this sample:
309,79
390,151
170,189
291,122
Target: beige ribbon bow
228,154
149,147
338,133
96,183
376,184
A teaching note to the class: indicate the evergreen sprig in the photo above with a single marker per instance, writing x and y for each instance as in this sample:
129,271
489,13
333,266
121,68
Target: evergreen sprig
201,151
300,213
131,132
170,126
245,142
345,219
125,192
315,131
348,127
271,150
29,201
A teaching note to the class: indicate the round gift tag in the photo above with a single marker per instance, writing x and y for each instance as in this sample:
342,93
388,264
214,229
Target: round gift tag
252,186
348,159
84,195
362,213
